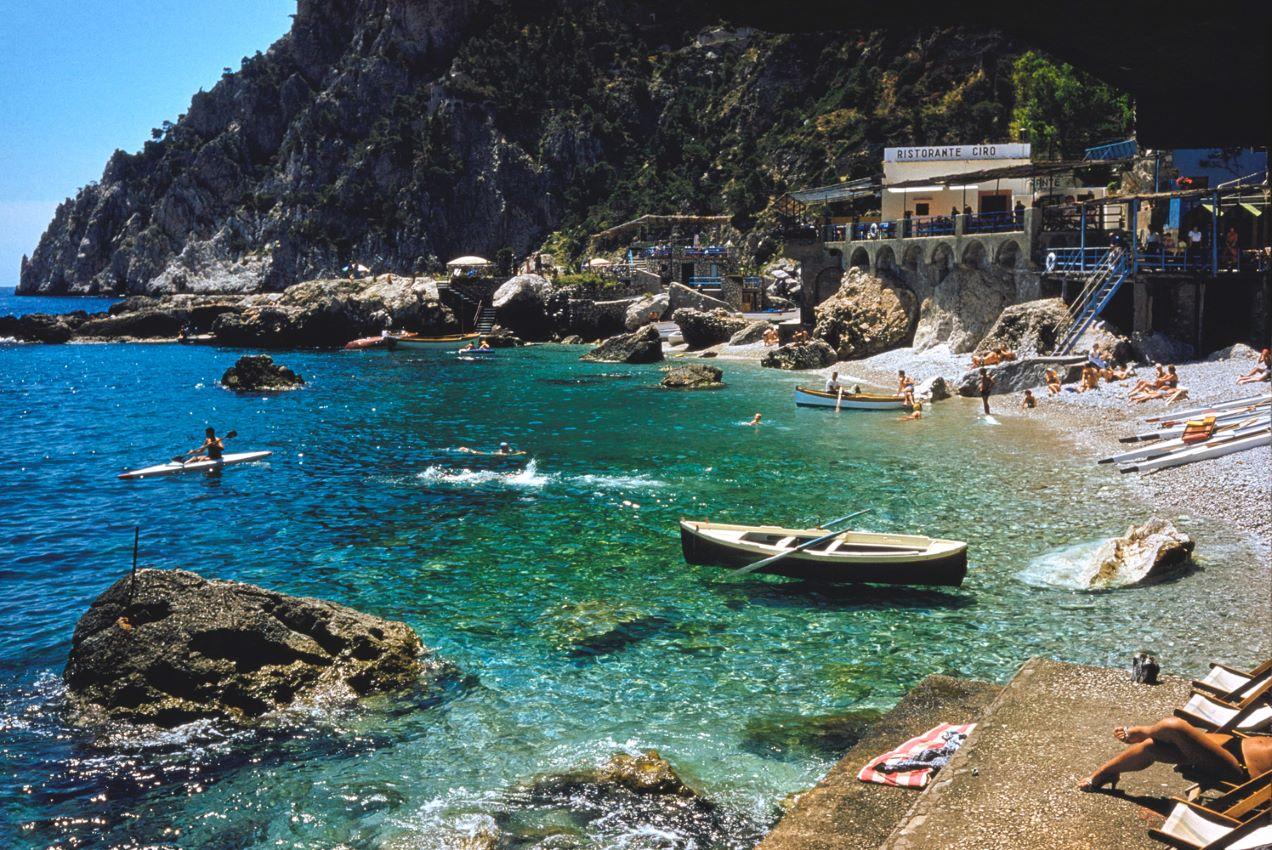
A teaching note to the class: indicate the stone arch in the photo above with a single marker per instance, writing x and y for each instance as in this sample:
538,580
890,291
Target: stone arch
974,255
860,259
942,260
826,284
912,258
1009,254
885,260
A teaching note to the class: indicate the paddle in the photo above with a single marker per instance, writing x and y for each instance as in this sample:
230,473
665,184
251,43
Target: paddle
840,400
741,571
182,458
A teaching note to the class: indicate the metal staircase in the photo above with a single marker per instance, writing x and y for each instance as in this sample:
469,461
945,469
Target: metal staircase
1101,286
485,319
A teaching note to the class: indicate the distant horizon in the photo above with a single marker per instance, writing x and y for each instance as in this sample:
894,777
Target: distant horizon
72,96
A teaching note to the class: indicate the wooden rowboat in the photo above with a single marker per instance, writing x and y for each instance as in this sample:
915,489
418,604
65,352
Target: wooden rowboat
415,341
809,397
853,556
1203,451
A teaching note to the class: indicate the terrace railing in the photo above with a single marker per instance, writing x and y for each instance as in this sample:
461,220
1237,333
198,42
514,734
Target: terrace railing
705,281
995,222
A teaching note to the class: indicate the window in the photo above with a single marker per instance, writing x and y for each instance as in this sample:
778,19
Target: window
921,208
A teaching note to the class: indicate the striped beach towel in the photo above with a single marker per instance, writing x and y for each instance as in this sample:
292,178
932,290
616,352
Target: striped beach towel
912,764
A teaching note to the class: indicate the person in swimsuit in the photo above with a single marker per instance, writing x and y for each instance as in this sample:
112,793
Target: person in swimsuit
1260,370
212,448
757,420
1029,402
1175,741
986,387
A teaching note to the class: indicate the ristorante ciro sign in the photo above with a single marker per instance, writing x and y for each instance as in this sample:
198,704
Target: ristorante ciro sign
934,153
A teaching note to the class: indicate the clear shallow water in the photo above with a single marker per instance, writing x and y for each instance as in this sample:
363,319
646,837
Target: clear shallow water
21,305
556,584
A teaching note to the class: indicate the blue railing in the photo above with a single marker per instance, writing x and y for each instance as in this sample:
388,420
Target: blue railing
995,222
686,251
1124,149
932,225
1075,259
704,281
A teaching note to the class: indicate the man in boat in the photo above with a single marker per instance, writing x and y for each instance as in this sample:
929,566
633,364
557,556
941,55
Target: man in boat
905,384
986,387
212,449
467,347
832,383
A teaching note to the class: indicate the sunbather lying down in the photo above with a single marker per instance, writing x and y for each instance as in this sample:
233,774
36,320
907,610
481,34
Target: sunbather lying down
1175,741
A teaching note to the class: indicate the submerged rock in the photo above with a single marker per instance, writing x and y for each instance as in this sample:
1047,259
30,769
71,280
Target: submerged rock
1033,327
866,316
645,774
1145,554
693,377
259,373
701,329
829,735
641,346
178,647
813,354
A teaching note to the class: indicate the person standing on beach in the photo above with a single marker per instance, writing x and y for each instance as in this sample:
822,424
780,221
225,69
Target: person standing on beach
986,387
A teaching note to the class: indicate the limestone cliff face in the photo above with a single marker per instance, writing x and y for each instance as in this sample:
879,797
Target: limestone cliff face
399,133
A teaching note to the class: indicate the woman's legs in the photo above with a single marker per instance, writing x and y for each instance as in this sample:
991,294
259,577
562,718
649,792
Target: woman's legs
1172,741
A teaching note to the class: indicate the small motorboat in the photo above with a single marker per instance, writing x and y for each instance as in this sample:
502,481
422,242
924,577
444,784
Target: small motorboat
176,467
851,556
415,341
809,397
366,342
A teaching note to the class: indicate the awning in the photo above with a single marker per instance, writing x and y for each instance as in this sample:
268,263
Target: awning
467,262
1252,209
1006,172
864,187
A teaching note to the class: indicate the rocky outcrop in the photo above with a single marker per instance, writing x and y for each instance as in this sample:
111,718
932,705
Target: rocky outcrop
695,376
866,316
1033,327
751,334
680,296
176,647
155,323
1160,348
521,306
641,346
645,774
963,307
813,354
651,308
932,389
40,327
1018,375
1145,554
598,319
1236,351
259,373
701,329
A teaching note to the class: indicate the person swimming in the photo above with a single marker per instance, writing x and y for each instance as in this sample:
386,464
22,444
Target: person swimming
504,450
916,412
756,420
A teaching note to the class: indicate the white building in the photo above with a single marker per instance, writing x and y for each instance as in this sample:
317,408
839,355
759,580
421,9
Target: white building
906,165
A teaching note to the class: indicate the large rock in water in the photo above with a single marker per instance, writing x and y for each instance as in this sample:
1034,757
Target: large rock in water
259,373
37,327
154,323
1145,554
866,316
521,306
813,354
178,647
642,346
701,329
1018,375
651,308
1033,327
695,376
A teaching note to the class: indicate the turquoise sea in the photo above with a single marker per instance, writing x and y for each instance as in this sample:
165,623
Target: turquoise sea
556,585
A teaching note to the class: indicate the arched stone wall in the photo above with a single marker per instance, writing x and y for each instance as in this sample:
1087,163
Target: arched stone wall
1009,254
912,258
974,255
860,259
941,261
885,260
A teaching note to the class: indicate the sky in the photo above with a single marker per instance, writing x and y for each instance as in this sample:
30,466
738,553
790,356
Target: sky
82,78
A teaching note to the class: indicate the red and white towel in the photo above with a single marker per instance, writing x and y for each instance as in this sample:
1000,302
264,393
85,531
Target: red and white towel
918,778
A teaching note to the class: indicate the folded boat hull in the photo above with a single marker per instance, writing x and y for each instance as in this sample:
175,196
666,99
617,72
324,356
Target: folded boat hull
809,397
436,343
857,557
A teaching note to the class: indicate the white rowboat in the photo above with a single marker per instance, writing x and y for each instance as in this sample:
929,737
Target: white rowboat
1204,451
1240,429
414,341
176,468
1176,430
1196,412
809,397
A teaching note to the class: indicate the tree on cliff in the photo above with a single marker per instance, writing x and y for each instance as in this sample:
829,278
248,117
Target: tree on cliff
1061,110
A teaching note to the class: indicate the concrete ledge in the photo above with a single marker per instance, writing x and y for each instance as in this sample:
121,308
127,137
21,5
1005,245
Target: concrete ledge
841,813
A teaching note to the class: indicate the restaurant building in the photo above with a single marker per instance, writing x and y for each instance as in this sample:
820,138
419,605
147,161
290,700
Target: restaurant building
906,165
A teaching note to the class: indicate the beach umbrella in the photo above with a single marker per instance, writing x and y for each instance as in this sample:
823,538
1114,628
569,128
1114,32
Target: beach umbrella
599,262
468,262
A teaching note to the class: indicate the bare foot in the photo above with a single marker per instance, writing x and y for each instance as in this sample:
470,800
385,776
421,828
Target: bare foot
1094,781
1130,734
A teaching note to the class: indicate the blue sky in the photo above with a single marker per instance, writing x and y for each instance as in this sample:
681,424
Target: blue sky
80,78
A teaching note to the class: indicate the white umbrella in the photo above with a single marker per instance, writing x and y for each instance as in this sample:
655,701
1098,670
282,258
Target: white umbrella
468,262
597,262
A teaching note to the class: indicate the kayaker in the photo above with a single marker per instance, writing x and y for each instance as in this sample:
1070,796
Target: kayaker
212,448
986,387
466,348
485,346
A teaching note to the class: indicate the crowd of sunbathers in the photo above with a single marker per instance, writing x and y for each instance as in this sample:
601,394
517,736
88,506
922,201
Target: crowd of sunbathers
1221,739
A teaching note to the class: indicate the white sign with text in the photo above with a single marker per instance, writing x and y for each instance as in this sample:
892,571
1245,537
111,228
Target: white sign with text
934,153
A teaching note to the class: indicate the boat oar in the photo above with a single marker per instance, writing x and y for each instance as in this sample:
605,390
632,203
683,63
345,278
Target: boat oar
840,400
750,568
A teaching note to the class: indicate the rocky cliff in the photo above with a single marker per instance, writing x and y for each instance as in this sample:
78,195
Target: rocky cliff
400,133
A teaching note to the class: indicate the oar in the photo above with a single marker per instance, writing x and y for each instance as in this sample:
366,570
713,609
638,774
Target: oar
840,399
750,568
182,458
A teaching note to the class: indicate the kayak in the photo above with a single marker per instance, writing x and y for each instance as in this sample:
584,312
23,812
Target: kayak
174,468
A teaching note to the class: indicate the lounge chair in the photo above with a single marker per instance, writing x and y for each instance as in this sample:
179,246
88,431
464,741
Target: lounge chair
1252,713
1229,684
1236,821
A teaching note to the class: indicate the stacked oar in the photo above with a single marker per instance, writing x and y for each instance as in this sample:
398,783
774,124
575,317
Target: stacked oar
1216,430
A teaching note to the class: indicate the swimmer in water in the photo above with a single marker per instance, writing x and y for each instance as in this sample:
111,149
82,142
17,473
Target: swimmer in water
756,420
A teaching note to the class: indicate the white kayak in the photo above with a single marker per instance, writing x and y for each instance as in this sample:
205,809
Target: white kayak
174,468
1202,451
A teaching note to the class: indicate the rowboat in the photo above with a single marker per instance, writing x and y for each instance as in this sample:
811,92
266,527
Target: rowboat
415,341
1204,451
1195,412
1221,419
1243,428
176,467
809,397
853,556
366,342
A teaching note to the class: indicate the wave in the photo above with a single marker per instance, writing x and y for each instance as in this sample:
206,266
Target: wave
529,478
